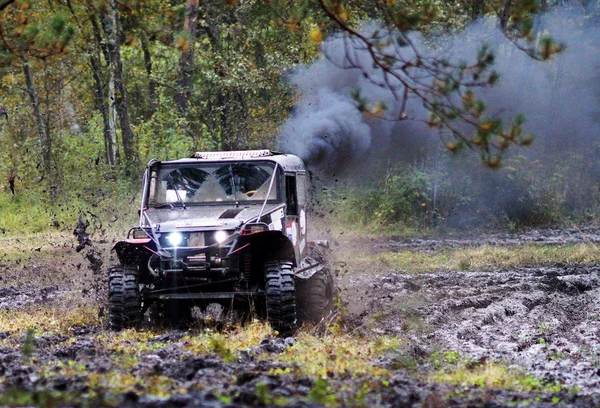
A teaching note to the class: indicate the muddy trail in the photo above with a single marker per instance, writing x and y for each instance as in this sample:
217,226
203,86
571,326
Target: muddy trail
545,320
542,322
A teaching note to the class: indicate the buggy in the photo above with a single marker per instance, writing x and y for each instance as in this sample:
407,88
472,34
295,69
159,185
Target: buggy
227,228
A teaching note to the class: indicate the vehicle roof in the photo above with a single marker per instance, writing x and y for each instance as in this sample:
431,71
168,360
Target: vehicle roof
288,162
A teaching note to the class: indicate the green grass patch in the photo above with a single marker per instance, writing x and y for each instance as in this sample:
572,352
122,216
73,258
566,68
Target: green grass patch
55,318
454,369
33,213
336,355
482,258
25,247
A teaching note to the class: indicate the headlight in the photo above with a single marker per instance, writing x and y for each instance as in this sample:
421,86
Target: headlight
221,236
175,238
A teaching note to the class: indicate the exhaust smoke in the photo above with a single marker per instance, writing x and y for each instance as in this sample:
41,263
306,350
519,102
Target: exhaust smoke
558,97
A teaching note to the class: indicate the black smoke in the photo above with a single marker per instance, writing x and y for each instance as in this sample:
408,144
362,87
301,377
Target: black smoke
560,99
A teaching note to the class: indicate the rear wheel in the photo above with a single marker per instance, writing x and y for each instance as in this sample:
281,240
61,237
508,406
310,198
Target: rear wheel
280,291
125,301
315,297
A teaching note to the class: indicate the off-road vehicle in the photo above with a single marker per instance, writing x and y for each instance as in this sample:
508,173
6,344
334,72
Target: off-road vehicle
221,227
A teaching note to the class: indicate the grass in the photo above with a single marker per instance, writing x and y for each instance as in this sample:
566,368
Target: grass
51,319
33,212
454,369
337,355
482,258
36,245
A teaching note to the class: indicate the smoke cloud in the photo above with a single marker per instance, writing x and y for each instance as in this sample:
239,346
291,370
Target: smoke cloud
558,97
559,174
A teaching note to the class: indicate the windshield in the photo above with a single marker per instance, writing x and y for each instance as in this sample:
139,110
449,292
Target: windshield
214,183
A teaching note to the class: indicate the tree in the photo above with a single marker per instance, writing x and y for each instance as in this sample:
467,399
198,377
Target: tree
107,110
89,29
112,28
28,37
186,43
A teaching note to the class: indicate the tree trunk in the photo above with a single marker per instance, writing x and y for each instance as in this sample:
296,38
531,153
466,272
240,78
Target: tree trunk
98,38
106,109
186,60
152,84
113,30
110,136
39,120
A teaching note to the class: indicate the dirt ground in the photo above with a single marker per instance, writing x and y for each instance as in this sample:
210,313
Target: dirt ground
543,321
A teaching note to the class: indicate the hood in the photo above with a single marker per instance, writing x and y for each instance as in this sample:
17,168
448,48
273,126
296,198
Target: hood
206,217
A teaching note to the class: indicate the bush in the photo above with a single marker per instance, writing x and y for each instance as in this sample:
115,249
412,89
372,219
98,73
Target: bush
461,194
401,198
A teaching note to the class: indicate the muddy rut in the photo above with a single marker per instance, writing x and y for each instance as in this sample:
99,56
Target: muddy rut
546,320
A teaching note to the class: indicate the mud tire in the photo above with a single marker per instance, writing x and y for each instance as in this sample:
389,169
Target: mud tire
124,298
280,292
315,297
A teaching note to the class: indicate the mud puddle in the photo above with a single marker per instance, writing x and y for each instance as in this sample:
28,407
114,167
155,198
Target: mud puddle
13,298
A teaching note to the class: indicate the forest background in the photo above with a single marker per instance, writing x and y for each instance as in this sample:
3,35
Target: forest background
92,89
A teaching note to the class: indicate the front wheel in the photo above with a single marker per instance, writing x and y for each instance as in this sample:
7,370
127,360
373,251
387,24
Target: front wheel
280,292
124,298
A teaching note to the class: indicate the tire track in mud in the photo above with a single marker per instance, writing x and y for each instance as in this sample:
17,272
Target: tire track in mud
543,319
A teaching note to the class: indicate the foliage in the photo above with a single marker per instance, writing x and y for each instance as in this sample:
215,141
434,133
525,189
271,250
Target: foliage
244,51
452,193
401,198
240,97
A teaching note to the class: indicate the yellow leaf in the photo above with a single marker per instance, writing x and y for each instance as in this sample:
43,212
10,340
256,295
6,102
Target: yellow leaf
182,43
316,36
451,146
